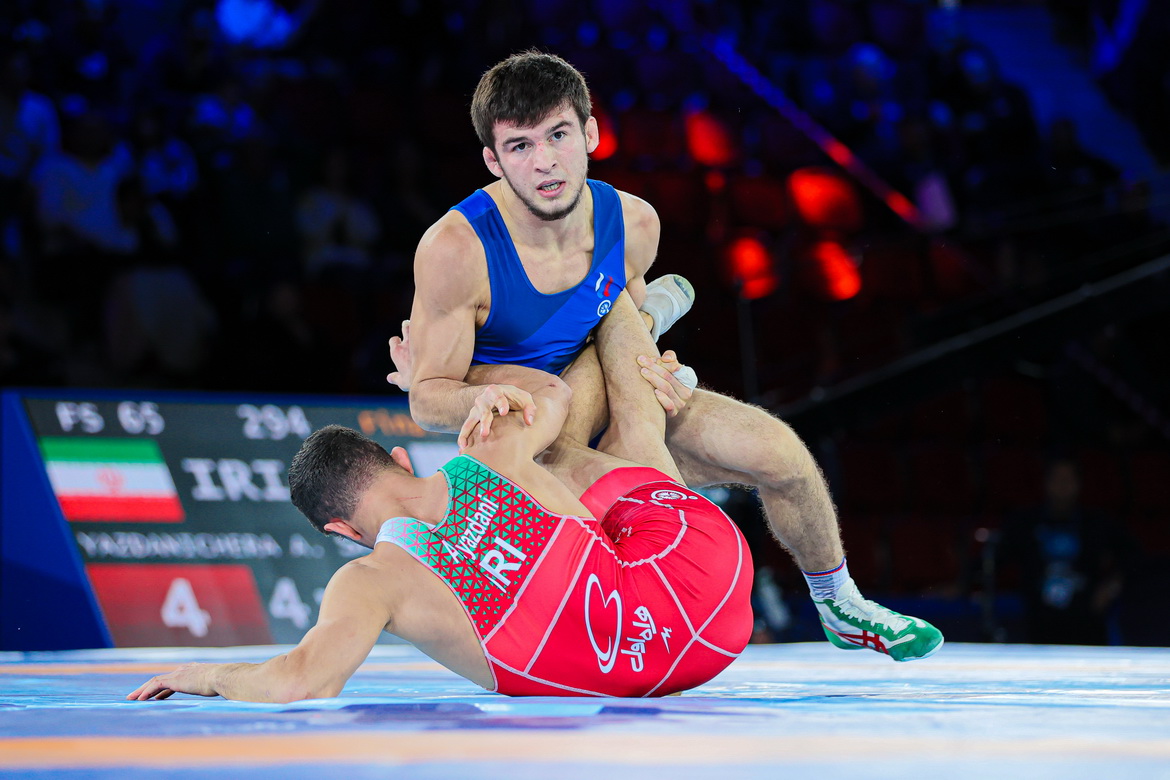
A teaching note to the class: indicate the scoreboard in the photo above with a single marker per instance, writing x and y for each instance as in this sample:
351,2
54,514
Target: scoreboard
160,519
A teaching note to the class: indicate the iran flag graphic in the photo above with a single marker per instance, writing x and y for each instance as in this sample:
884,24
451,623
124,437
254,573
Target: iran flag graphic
111,480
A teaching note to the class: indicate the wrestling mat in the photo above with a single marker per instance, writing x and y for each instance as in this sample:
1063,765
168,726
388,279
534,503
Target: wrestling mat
972,711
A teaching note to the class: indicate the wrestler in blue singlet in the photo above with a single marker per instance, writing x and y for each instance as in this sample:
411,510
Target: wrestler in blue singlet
526,327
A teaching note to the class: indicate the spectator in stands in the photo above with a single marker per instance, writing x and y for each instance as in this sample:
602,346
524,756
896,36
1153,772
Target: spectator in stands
257,214
158,325
168,169
225,117
263,24
166,163
1070,562
337,226
95,63
76,191
29,128
998,133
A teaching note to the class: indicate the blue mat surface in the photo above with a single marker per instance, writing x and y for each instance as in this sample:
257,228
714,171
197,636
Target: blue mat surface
972,711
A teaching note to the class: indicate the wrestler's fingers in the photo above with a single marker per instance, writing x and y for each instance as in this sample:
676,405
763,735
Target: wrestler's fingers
681,378
666,386
485,422
475,417
464,438
523,401
666,402
658,375
146,690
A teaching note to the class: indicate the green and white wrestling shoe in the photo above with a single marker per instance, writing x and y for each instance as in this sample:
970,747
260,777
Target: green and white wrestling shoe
852,622
668,298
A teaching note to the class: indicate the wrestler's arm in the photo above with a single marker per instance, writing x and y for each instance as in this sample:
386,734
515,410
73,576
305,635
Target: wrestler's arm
551,397
354,611
451,285
643,229
588,412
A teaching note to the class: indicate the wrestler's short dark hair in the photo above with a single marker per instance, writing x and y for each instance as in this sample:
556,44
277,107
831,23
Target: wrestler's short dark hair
332,470
524,89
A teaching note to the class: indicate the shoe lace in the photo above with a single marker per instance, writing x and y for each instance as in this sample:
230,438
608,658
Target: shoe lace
859,608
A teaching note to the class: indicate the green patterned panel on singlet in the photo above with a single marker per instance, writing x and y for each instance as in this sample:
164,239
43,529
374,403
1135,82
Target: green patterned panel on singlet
486,545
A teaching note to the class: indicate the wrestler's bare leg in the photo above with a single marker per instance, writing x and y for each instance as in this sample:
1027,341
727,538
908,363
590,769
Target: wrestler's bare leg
589,408
716,439
637,423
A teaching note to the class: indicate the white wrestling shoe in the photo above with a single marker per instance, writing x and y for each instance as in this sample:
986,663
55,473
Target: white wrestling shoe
668,298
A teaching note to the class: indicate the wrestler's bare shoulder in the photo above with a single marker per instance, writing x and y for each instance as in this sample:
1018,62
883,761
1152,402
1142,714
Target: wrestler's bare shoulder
360,569
451,239
373,576
637,213
643,230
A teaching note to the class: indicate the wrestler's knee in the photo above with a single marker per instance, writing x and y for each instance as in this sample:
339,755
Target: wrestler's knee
787,460
773,454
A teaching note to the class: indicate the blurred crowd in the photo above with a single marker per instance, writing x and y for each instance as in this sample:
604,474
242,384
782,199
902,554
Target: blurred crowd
226,194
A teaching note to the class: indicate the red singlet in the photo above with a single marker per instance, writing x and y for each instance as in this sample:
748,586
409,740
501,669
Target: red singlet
652,599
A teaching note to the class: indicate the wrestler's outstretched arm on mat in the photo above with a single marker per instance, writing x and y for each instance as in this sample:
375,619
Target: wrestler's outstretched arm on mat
355,610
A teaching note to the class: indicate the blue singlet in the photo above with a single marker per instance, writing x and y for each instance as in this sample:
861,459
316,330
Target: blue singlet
526,327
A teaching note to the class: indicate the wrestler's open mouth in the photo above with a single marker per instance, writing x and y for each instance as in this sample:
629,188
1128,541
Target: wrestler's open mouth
550,188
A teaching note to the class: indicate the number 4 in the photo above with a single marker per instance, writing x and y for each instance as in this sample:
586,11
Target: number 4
180,609
286,603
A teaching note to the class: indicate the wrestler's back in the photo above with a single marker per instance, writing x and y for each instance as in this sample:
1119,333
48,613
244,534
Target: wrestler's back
565,606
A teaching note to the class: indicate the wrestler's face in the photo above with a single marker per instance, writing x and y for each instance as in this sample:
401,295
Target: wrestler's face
545,165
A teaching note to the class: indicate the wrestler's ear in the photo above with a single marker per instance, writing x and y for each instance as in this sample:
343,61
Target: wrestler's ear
592,135
400,456
492,163
342,528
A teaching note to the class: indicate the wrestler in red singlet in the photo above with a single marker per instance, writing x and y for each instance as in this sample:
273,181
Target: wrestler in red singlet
652,599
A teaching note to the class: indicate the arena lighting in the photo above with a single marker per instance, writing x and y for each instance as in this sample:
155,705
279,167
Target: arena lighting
724,51
708,140
839,279
607,142
825,200
751,267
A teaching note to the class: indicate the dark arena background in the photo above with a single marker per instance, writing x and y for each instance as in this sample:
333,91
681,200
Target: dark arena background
933,237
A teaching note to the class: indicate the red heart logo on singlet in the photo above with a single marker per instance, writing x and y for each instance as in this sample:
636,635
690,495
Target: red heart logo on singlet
607,617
